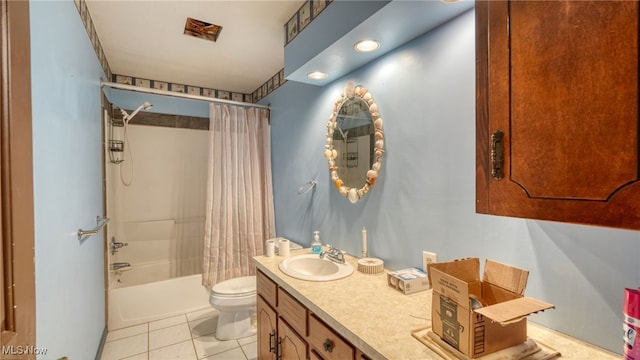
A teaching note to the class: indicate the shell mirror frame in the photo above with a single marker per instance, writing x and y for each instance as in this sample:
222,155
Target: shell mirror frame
355,142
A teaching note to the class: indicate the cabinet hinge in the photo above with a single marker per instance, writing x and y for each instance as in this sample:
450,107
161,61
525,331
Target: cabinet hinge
279,349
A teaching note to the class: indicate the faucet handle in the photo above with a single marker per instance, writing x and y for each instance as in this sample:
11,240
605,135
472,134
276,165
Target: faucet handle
325,252
116,245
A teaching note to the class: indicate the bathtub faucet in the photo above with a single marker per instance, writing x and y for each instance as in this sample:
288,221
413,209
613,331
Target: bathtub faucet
116,245
119,265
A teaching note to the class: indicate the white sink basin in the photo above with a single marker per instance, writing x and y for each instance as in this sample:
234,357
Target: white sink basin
312,268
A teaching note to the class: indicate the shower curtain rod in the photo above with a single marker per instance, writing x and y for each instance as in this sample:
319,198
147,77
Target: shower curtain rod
177,94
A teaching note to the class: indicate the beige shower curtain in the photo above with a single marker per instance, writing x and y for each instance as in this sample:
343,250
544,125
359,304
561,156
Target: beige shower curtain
239,204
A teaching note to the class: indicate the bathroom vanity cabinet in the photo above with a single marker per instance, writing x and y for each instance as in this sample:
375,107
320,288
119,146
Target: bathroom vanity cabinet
557,121
358,317
288,330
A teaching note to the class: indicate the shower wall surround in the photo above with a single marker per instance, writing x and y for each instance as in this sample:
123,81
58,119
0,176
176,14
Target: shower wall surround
161,214
425,198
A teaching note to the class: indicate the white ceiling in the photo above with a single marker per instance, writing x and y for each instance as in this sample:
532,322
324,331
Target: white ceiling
144,38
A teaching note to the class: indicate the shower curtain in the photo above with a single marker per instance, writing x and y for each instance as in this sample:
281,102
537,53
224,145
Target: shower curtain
239,205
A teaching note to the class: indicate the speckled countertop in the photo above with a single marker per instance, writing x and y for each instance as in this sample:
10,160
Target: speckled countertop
379,320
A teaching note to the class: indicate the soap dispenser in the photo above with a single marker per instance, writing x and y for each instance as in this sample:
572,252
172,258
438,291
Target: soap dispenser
316,245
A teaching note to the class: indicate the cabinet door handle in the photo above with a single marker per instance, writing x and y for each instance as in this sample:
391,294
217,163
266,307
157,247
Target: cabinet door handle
272,342
497,155
328,345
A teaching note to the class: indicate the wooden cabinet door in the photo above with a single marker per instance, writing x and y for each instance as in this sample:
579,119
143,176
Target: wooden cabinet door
292,311
267,326
291,345
267,288
559,79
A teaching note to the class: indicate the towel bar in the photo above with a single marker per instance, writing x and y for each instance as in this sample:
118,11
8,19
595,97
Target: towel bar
100,221
307,186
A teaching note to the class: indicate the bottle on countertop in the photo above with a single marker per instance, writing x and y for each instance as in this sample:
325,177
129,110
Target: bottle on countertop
316,245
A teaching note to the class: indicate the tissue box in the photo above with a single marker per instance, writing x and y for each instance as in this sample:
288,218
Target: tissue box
408,281
479,317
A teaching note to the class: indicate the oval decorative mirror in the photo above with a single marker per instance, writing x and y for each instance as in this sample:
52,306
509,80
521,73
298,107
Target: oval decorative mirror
355,142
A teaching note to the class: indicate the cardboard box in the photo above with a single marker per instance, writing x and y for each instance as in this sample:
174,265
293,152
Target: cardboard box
479,317
408,281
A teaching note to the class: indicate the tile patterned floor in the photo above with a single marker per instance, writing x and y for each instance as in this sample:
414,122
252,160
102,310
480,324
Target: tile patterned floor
189,336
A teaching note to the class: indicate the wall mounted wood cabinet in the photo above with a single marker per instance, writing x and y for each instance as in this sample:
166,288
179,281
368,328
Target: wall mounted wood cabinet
557,120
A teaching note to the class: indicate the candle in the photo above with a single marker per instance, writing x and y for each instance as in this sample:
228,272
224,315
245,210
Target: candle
364,242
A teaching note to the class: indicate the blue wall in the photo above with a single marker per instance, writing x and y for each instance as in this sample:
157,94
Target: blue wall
67,158
425,197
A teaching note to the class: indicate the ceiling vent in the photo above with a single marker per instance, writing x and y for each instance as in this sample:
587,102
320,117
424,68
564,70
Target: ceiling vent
202,29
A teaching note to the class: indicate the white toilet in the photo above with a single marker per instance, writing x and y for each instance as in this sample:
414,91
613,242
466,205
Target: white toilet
235,300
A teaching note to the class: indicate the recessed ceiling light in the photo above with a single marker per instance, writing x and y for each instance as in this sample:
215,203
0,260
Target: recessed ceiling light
317,75
366,45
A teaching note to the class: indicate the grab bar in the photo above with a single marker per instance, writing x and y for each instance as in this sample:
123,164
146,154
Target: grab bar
100,221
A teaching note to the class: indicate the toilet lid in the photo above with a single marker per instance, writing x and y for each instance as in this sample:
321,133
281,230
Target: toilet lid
236,286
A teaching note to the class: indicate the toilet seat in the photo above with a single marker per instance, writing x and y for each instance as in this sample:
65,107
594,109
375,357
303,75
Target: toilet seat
236,287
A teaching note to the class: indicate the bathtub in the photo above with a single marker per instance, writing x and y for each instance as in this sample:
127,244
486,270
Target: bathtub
157,250
139,274
137,304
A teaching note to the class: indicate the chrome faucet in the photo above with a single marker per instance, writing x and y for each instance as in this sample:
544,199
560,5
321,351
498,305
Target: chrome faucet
333,254
118,265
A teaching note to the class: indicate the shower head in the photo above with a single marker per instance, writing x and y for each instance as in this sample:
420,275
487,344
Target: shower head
144,106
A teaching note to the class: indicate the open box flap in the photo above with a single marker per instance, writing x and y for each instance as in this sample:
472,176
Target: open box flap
456,280
505,276
465,269
514,310
455,289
